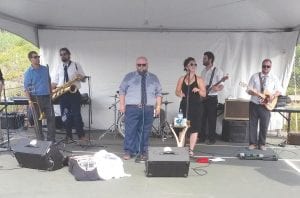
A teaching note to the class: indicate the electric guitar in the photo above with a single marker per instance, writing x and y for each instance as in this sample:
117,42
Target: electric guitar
263,96
223,79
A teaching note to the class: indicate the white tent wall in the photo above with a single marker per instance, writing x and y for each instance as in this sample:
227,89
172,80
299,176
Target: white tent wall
108,56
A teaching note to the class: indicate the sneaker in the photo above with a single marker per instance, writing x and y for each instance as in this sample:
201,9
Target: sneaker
251,147
126,156
263,147
140,159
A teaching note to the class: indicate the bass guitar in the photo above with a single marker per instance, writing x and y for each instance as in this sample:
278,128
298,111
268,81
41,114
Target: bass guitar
223,79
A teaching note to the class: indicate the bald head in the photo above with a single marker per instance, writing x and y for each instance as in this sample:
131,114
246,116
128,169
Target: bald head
142,64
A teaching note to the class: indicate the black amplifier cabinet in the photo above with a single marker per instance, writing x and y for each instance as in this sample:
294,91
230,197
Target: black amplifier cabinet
43,155
235,131
174,163
14,120
293,138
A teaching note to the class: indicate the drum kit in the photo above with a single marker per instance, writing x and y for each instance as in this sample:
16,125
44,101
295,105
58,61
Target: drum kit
160,126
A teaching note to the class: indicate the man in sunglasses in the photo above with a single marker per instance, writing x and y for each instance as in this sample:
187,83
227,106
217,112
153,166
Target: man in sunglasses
37,89
140,93
261,82
211,75
70,102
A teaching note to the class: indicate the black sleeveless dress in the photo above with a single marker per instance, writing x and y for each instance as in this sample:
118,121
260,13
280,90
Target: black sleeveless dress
195,108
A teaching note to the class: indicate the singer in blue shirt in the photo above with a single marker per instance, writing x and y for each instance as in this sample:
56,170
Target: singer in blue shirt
140,93
37,89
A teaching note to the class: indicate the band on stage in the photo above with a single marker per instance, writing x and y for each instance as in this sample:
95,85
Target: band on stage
140,94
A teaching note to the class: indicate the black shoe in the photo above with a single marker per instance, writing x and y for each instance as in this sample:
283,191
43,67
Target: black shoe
140,159
202,140
211,142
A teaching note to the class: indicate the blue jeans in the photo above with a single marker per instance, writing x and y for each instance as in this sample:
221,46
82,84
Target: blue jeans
138,124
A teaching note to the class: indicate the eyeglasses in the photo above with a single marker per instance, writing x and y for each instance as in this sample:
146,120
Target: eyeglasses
35,57
266,66
192,64
141,65
64,54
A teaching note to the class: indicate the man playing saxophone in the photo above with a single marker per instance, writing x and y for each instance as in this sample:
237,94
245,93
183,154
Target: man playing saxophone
66,79
37,89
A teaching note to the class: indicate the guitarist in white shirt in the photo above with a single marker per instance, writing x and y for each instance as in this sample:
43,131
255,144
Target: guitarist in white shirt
211,75
266,84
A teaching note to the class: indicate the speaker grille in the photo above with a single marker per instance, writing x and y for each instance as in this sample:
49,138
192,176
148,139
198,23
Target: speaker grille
236,110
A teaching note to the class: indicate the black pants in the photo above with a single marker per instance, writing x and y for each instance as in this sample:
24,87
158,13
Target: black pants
209,117
258,112
43,104
70,113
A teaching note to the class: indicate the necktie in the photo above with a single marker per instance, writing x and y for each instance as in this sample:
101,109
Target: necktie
143,90
264,82
66,77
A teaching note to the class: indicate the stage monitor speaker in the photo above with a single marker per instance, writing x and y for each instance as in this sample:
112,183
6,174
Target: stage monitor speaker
235,131
236,109
293,138
172,163
43,155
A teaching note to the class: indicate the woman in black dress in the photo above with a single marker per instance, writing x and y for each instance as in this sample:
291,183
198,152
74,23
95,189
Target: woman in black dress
191,88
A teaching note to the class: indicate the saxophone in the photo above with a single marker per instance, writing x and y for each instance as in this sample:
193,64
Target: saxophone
67,87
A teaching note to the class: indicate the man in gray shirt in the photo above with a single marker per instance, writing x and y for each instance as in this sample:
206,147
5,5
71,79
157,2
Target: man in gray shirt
140,93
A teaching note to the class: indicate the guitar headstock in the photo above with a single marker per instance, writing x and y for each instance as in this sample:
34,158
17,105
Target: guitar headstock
225,78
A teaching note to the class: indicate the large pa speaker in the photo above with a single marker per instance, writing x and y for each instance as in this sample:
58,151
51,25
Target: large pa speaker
236,110
172,163
43,155
235,131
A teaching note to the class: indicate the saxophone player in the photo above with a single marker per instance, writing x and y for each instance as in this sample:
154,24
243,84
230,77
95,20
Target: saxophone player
69,101
37,89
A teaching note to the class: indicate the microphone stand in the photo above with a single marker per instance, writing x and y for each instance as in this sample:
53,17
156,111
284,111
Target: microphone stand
188,96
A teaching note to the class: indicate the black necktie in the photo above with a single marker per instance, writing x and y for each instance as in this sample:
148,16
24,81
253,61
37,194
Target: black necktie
264,82
143,90
66,73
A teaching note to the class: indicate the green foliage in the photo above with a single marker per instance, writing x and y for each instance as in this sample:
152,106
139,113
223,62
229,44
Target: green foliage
294,84
13,58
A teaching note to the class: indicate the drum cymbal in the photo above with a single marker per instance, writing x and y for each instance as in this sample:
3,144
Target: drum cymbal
115,96
165,93
166,102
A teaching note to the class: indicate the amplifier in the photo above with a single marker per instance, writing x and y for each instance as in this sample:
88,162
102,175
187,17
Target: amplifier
235,130
42,155
293,138
173,163
14,120
236,109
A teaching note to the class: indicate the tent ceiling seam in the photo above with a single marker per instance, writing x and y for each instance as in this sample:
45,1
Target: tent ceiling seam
16,20
160,29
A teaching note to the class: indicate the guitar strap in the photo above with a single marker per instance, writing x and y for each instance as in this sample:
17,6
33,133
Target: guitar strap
211,78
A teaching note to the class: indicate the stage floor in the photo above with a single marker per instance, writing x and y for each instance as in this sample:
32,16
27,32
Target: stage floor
231,178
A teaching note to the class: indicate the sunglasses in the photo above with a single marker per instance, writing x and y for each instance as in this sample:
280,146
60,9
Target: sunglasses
35,57
141,65
192,64
266,66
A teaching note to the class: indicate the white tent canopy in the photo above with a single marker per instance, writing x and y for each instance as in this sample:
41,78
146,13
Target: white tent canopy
107,36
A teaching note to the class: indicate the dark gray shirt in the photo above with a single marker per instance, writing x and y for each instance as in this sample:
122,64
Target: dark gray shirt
131,88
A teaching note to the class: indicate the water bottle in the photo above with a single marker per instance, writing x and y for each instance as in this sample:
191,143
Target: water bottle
180,114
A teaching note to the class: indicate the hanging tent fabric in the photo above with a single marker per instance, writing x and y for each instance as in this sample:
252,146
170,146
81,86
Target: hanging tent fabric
107,36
